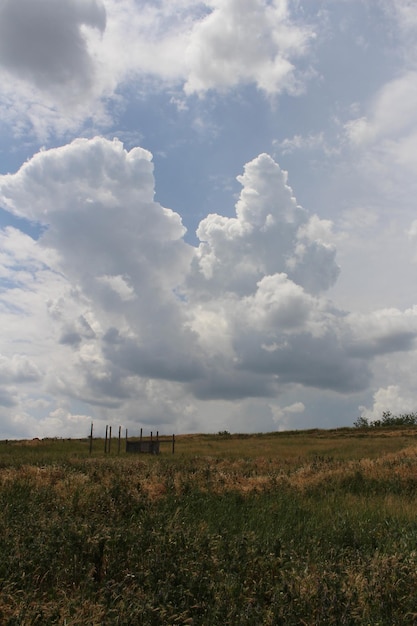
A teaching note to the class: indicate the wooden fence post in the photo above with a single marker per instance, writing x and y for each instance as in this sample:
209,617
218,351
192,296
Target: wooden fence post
91,438
105,441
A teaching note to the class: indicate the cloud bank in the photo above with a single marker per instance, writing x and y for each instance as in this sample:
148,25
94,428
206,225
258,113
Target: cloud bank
111,308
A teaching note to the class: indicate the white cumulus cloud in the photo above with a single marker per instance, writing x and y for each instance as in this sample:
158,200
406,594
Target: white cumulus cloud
245,41
110,306
270,234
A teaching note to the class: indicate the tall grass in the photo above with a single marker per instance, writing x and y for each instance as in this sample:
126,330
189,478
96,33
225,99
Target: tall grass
302,538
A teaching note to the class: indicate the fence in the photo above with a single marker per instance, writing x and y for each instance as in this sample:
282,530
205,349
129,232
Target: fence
143,445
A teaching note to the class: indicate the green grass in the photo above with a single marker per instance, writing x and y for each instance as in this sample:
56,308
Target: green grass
343,443
323,532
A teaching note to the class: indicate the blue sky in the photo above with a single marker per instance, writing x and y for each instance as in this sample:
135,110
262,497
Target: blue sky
207,214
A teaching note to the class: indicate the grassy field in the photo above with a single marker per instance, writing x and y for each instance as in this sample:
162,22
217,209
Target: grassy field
302,528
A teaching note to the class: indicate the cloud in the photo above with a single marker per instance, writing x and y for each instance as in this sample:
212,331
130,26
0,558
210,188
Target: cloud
404,14
383,141
383,164
259,278
49,73
109,309
270,234
221,381
43,42
391,398
382,332
319,362
110,306
392,113
282,415
311,142
18,369
121,250
101,182
108,255
245,41
65,64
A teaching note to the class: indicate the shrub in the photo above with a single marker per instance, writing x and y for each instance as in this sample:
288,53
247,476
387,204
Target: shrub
388,420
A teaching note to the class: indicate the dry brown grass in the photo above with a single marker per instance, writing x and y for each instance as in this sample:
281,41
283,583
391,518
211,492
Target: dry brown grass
156,476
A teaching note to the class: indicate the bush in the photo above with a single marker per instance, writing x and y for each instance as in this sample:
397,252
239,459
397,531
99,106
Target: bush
388,420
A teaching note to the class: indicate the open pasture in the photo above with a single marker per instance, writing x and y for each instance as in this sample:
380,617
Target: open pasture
313,527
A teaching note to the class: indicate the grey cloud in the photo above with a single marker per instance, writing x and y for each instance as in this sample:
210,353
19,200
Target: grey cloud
319,362
18,369
383,331
7,399
73,334
42,41
220,383
164,360
95,384
70,338
315,267
109,388
402,341
16,372
85,328
112,336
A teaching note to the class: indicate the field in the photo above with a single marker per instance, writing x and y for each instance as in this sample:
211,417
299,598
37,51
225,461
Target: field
301,528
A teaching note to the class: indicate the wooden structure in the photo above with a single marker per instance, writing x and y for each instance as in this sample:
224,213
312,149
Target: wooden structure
143,447
148,446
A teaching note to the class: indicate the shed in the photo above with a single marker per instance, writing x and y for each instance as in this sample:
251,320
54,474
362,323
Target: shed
143,447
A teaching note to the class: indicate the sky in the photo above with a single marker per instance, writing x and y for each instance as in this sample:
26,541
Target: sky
208,214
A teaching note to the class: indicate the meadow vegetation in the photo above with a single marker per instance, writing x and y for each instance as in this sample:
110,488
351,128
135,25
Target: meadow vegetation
301,528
